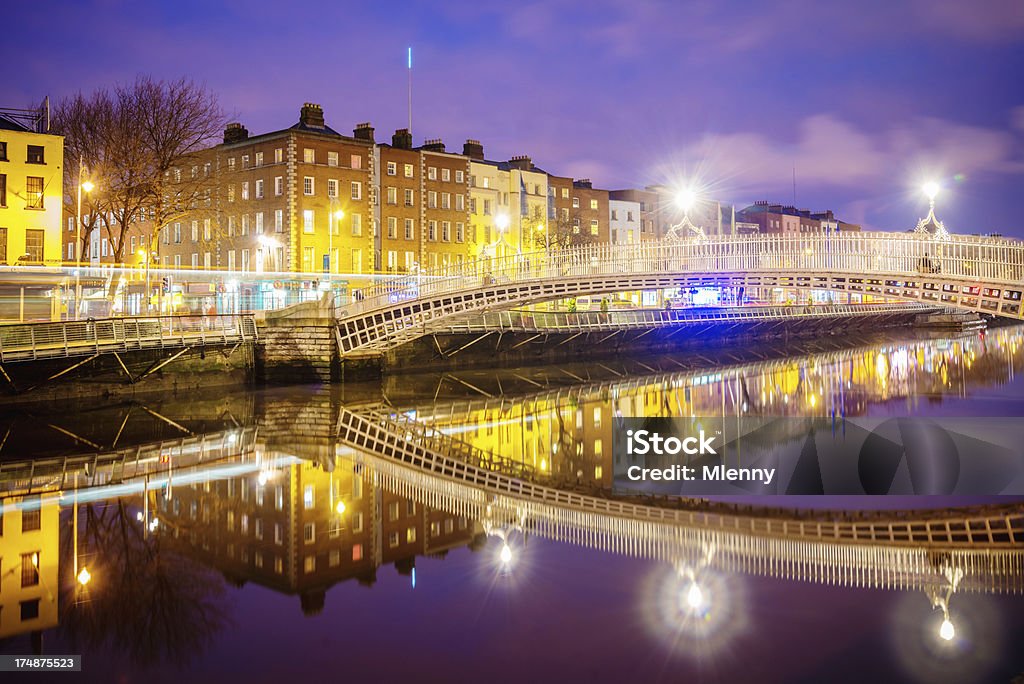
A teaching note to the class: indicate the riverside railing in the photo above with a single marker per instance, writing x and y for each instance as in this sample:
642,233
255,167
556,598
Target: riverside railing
992,261
62,339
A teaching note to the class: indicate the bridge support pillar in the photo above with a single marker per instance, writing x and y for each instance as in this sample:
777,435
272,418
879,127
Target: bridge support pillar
298,344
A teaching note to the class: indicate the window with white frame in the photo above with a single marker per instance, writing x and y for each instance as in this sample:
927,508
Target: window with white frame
431,199
357,190
307,185
259,222
259,189
279,220
446,231
410,198
278,155
392,169
459,175
392,195
460,203
410,229
392,228
460,232
431,173
278,186
307,221
356,161
245,190
357,224
446,175
408,170
432,230
309,156
332,188
332,158
259,159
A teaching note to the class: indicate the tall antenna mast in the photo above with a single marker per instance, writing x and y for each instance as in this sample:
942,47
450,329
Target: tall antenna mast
410,90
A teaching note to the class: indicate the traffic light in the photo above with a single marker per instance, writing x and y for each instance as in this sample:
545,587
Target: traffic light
165,283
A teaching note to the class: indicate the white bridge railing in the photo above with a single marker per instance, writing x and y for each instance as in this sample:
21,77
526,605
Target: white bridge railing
986,261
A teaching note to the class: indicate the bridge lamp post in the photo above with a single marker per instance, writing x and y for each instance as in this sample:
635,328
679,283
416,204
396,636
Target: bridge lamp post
930,226
501,221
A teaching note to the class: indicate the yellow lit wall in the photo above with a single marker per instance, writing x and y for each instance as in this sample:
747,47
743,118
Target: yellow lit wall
17,213
15,542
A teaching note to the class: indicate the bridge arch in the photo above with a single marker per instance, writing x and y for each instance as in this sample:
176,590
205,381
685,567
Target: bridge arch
967,273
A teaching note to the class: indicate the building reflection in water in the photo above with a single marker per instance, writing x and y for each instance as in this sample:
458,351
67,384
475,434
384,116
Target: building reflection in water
134,548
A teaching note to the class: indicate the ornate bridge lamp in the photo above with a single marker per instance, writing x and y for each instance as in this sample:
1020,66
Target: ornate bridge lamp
495,526
686,228
941,595
696,598
932,228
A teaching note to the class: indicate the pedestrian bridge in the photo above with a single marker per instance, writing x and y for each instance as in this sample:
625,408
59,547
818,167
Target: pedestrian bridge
968,273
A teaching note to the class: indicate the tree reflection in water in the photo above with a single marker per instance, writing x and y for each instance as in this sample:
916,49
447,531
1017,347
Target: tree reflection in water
149,602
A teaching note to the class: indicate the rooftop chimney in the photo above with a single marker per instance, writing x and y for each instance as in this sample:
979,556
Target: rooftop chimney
363,131
434,145
473,149
235,132
402,139
521,162
312,116
582,183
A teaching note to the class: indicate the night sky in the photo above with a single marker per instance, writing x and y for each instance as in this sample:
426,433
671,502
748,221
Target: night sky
865,100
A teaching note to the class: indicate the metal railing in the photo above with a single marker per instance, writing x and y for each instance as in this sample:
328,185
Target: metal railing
62,339
904,255
554,321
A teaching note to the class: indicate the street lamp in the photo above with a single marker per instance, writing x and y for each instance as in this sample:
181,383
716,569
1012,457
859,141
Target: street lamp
685,199
87,187
144,255
547,237
501,221
266,245
931,226
338,215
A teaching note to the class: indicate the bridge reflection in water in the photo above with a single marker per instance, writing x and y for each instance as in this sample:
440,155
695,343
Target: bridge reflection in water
299,493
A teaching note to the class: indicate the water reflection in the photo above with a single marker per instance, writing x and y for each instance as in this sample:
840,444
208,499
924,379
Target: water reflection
175,505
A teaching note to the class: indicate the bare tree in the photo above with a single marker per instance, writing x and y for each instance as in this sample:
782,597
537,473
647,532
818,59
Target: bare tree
559,233
145,146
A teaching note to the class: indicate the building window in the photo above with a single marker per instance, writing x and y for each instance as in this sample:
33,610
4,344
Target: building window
392,228
431,199
460,232
309,564
279,220
332,158
259,189
307,185
308,533
593,227
446,231
593,204
446,200
357,190
309,156
3,198
408,170
409,198
357,224
245,190
30,569
307,221
34,245
392,169
432,230
410,535
34,192
460,203
278,186
357,552
307,259
35,155
259,222
392,195
259,159
393,539
278,155
307,497
410,230
3,151
356,161
29,610
332,188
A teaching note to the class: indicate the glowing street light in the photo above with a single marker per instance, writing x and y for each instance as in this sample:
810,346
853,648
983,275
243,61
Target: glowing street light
340,508
685,199
506,554
930,225
695,597
931,189
501,221
84,576
946,630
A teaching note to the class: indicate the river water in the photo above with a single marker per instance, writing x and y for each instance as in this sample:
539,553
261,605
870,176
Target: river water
239,535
